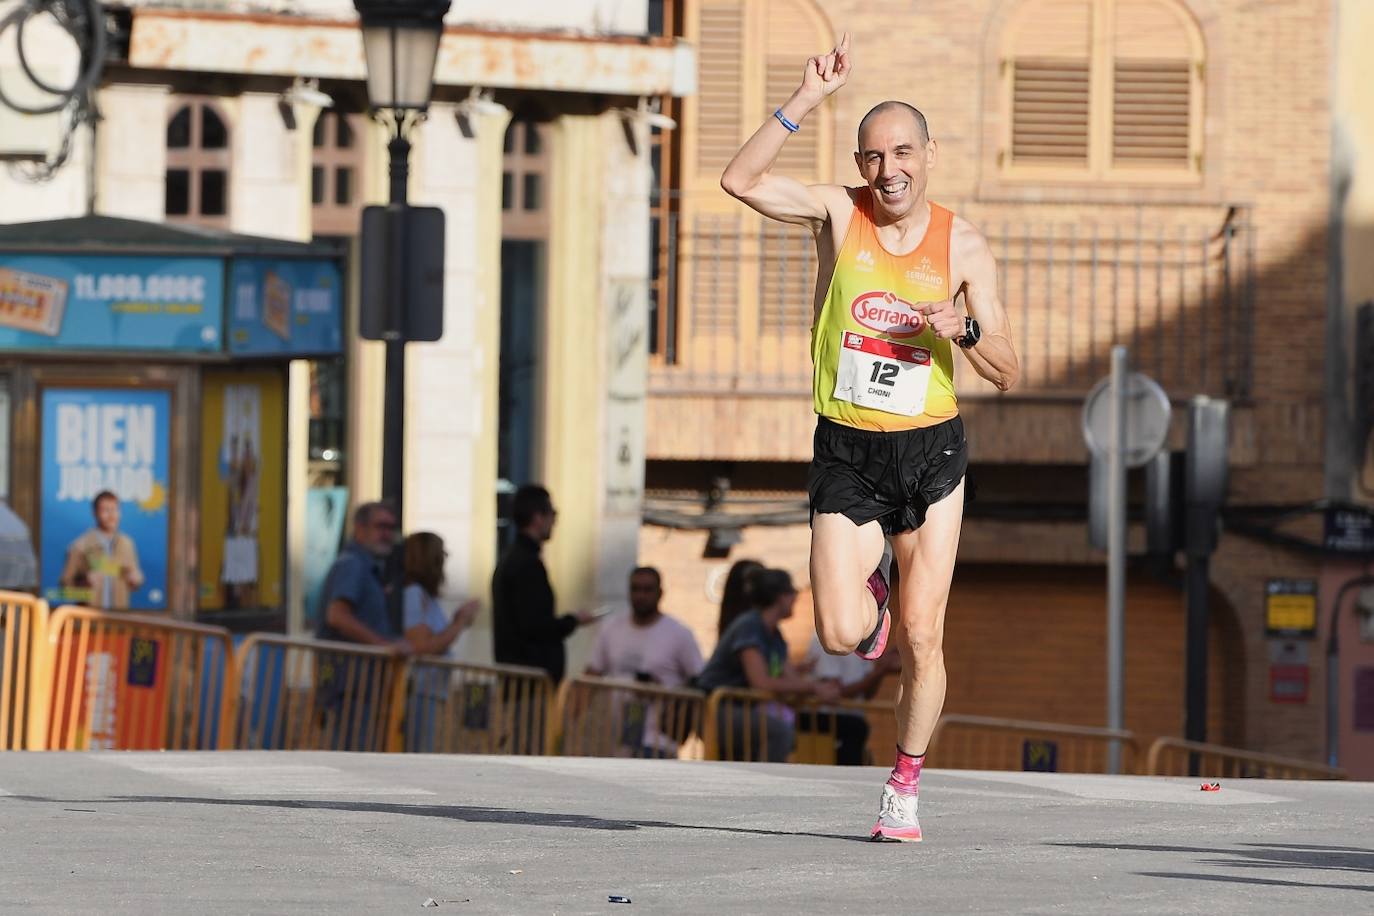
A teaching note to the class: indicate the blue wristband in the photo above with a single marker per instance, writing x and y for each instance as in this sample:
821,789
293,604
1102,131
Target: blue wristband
792,127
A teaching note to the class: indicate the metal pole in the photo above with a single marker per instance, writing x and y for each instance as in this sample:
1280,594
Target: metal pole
1116,557
393,423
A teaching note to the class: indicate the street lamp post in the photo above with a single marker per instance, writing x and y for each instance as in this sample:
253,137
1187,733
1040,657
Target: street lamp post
400,44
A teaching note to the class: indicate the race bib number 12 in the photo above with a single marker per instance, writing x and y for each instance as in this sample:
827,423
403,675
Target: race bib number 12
883,375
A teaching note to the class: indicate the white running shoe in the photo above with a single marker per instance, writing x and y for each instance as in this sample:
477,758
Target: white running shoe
897,821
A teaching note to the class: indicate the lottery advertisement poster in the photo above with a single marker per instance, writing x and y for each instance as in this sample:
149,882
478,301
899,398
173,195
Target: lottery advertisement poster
103,506
111,302
285,306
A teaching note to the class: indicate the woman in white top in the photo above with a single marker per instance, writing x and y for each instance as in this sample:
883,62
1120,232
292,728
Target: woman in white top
431,632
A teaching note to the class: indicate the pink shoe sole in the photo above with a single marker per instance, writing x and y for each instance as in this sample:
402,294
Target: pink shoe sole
883,834
879,644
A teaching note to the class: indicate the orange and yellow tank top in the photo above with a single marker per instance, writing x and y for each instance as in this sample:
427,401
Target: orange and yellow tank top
876,364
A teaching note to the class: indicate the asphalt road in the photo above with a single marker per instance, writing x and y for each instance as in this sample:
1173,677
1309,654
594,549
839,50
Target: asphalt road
275,832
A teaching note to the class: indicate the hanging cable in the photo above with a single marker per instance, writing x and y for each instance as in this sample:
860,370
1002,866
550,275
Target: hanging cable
84,22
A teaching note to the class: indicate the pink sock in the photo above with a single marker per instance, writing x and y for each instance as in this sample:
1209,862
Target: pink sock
906,774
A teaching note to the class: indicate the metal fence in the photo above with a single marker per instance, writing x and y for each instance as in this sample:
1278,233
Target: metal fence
1176,757
133,682
602,717
458,708
22,623
305,694
734,309
983,743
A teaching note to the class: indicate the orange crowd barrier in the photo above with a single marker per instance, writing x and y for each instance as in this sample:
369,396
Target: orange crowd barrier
605,717
744,724
294,693
23,620
458,708
133,682
982,743
1176,757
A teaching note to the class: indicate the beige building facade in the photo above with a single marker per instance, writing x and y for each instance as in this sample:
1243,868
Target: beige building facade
274,142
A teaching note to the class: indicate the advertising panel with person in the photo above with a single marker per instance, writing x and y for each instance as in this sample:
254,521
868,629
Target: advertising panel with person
105,483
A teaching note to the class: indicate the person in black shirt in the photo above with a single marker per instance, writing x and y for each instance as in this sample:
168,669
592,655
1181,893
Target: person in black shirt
524,627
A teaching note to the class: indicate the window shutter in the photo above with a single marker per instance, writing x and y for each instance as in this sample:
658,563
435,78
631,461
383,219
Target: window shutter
720,61
792,38
1050,83
1152,82
787,254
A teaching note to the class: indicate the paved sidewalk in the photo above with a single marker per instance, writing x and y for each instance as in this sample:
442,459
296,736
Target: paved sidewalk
240,832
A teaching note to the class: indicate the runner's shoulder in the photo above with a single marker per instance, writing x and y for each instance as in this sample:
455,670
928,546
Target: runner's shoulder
967,242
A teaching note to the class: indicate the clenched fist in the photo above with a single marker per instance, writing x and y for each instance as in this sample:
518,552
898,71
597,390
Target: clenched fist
943,318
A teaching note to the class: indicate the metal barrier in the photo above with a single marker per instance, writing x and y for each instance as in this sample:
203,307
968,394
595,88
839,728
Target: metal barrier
744,724
604,717
133,682
307,694
982,743
1176,757
457,708
23,619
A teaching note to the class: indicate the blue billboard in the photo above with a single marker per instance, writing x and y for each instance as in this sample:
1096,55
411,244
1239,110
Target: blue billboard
285,307
111,302
103,509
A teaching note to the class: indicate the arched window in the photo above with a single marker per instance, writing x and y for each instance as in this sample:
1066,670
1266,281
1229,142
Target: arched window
1102,89
742,279
336,168
198,157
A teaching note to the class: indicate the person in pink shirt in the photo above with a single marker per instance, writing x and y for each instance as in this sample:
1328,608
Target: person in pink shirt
645,645
649,647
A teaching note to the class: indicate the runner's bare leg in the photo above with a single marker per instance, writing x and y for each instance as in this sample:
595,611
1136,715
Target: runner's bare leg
843,556
925,559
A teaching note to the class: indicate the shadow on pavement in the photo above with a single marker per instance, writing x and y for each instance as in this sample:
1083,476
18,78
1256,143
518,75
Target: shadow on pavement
468,813
1350,859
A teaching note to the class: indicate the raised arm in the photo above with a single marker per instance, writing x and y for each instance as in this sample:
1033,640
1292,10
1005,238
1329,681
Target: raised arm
749,178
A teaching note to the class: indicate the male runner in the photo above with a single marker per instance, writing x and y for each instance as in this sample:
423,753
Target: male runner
890,453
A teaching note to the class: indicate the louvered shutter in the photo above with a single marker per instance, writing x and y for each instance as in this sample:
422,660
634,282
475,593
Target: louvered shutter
1051,66
787,254
720,64
792,38
1152,95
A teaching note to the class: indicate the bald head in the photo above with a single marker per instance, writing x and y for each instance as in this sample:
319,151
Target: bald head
883,108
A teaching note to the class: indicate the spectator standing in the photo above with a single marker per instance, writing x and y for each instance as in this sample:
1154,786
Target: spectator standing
525,629
355,610
752,653
430,631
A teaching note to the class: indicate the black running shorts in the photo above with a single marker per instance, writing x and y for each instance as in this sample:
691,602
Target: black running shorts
891,477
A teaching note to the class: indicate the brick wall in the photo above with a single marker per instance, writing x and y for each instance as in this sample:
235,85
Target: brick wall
1267,137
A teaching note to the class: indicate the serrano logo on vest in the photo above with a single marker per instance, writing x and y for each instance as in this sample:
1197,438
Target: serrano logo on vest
885,312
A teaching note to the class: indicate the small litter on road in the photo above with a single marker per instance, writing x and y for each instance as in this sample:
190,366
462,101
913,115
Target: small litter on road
616,898
517,871
1211,787
430,902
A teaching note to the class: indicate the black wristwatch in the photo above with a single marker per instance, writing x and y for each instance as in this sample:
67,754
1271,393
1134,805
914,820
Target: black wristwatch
972,333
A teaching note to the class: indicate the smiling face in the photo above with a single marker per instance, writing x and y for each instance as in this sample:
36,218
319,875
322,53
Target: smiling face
894,158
